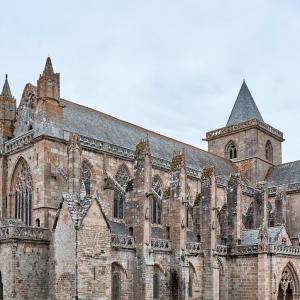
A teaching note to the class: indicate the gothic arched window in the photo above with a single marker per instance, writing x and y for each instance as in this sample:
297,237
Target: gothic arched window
231,150
269,151
116,283
156,283
157,186
85,177
23,193
155,202
289,284
189,208
122,178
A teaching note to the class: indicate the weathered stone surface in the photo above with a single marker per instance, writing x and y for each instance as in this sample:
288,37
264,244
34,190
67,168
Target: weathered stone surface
119,212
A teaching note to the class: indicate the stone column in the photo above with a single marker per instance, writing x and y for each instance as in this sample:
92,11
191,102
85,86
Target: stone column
210,279
139,213
74,164
234,198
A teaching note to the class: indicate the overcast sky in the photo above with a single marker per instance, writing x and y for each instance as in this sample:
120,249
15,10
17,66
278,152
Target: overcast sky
174,67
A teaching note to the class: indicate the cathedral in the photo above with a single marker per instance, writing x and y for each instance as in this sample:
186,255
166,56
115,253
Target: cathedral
96,208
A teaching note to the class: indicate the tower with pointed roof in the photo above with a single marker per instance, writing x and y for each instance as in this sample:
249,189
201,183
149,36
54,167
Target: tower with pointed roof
247,140
7,111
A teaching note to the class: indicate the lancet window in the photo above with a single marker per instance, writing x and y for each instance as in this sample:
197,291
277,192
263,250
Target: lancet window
122,178
156,283
85,176
269,151
116,283
156,201
231,150
23,194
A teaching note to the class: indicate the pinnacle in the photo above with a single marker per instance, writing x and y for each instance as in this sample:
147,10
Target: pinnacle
6,89
48,70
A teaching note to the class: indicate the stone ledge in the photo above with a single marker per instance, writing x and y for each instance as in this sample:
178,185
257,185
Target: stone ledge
17,232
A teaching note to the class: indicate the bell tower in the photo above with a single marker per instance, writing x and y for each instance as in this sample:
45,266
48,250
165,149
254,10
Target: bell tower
7,111
251,144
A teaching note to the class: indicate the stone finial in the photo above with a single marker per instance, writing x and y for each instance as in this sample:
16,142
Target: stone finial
234,179
6,89
262,185
178,160
74,142
208,172
143,147
48,70
263,236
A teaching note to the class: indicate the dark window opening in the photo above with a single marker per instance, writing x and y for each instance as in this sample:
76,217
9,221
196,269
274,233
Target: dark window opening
37,223
118,205
156,211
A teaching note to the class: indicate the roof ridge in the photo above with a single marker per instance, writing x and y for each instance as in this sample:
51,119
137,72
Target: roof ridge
286,163
147,130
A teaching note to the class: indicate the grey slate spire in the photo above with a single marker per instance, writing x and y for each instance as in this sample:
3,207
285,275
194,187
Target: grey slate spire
6,89
244,108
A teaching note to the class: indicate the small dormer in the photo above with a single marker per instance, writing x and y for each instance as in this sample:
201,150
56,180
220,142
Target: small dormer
253,145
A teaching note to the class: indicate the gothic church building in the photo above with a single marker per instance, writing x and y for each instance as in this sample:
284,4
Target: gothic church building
93,207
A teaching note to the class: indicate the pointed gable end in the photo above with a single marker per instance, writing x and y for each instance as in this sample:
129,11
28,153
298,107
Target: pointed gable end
244,108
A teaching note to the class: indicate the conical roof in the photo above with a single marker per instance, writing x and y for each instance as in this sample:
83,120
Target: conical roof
48,67
244,108
6,89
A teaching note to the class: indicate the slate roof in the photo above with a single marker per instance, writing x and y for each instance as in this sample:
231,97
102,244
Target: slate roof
250,236
244,108
157,233
284,174
88,122
118,228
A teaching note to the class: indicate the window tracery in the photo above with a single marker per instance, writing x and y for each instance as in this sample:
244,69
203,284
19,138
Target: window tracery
157,186
23,194
122,178
155,202
286,285
86,175
231,150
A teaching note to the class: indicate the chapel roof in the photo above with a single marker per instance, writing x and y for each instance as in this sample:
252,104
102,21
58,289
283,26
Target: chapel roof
89,122
284,174
244,108
250,236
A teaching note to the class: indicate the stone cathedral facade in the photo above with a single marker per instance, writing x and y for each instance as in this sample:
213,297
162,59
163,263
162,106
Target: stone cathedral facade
93,207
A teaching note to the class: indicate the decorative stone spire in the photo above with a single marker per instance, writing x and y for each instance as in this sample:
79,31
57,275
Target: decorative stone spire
48,70
48,85
244,108
6,89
